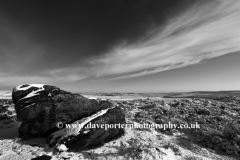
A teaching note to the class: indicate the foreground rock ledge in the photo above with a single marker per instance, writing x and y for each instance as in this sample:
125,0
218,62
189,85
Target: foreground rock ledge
41,107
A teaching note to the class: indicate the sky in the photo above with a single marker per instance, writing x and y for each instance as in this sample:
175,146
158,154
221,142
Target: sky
121,45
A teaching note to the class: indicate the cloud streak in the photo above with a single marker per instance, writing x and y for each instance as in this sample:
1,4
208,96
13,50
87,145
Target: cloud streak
203,32
206,30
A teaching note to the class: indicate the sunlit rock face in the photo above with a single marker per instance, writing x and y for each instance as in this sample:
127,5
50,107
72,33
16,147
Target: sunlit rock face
41,107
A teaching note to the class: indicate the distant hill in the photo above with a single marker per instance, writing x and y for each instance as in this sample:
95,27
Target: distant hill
5,94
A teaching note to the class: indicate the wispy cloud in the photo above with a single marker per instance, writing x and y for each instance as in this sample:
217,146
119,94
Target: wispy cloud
70,74
203,32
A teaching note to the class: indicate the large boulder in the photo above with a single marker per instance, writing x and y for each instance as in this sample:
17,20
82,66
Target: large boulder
41,107
90,131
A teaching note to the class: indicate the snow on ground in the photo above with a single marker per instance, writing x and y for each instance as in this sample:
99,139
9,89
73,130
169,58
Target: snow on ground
136,144
118,98
124,97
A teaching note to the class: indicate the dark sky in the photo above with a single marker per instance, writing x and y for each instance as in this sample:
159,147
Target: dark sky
80,29
110,43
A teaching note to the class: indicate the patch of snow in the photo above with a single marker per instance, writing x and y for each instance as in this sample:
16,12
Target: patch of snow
20,88
27,106
62,147
33,93
84,121
92,98
63,133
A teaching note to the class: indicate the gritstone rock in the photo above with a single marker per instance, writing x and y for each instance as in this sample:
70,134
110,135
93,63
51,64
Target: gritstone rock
40,107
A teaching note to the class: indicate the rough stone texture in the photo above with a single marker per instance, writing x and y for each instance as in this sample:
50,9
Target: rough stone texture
219,132
7,113
83,137
40,107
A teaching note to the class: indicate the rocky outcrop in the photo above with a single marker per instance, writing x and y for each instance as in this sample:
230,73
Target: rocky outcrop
90,131
41,107
7,114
